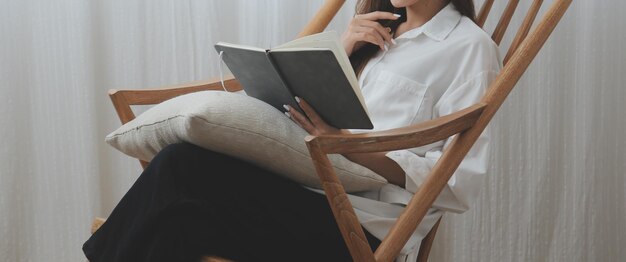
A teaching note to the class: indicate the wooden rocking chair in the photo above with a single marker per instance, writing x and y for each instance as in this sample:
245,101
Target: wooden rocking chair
468,123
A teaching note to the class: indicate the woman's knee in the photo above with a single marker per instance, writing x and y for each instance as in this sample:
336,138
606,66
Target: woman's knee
187,161
178,150
176,159
183,152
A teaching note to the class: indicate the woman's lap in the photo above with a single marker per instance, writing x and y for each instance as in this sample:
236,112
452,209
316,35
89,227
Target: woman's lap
182,204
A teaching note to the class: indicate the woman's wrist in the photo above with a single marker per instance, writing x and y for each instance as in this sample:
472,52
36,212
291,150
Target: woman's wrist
347,46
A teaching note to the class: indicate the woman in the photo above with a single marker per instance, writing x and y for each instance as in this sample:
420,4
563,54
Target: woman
416,60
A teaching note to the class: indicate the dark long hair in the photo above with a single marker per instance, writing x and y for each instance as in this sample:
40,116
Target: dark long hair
360,57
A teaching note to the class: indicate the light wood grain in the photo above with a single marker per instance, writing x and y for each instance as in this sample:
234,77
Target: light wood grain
524,29
484,13
96,224
416,135
461,144
427,243
215,259
468,124
505,19
342,209
322,18
123,99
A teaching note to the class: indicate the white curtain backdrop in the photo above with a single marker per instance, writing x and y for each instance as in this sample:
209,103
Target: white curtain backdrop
556,186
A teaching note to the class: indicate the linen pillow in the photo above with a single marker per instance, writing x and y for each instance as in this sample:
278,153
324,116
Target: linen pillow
238,125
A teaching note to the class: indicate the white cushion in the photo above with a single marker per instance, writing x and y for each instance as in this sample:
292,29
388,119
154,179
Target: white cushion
237,125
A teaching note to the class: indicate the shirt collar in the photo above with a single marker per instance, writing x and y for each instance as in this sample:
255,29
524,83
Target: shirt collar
438,27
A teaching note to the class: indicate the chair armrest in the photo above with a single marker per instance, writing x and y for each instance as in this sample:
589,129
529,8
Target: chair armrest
401,138
393,139
123,99
158,95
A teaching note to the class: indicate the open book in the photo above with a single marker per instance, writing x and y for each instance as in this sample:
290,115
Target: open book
315,68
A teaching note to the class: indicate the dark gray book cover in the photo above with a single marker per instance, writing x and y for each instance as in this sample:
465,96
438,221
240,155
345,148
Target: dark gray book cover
257,76
314,75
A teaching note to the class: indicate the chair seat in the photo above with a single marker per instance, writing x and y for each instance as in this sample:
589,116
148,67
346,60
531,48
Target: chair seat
96,223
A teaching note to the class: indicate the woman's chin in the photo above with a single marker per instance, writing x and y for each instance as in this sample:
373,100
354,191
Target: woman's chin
403,3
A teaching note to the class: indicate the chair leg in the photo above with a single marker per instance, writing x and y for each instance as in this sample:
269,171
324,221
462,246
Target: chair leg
427,243
97,223
215,259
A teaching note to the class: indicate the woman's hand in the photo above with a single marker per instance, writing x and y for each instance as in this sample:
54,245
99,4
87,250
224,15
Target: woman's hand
376,161
364,29
312,122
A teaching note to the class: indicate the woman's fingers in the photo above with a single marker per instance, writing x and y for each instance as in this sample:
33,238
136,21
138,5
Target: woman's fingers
369,34
370,37
312,114
310,120
301,120
378,15
365,28
384,32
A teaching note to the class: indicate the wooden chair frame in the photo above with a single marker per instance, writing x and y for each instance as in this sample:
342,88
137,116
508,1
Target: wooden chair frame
467,124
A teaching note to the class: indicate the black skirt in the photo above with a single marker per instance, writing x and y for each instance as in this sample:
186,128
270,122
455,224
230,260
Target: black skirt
182,208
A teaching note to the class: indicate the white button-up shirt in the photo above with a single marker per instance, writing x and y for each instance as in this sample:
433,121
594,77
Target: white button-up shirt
436,69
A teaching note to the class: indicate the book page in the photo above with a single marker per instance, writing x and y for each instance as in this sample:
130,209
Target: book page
328,40
247,47
305,40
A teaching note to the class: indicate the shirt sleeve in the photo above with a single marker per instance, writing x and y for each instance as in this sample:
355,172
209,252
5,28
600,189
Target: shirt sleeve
464,185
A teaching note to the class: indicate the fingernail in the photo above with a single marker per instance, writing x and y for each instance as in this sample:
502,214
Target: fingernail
388,29
286,107
297,99
287,114
386,49
393,41
397,15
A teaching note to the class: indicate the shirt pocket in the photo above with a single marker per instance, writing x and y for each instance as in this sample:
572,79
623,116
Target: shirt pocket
393,100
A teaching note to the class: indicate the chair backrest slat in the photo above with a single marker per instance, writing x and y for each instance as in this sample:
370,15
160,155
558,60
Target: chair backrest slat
522,32
447,164
322,18
523,56
505,19
484,12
